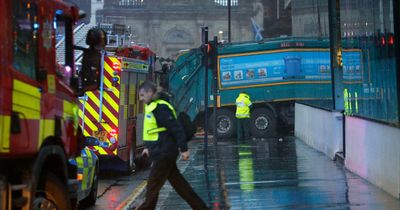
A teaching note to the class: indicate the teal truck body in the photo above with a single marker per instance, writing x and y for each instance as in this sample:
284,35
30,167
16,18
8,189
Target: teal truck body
275,73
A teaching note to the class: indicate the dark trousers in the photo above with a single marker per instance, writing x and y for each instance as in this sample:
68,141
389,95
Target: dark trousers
242,128
162,171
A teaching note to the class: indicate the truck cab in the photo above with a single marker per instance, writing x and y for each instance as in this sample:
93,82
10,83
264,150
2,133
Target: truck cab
39,129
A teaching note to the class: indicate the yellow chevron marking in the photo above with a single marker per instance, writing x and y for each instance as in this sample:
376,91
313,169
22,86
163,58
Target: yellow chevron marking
100,150
112,102
86,133
113,119
94,127
26,100
97,101
95,113
93,97
5,123
88,123
107,82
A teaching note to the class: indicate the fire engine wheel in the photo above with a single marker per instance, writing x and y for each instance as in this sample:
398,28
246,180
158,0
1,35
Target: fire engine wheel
90,200
226,125
263,123
52,194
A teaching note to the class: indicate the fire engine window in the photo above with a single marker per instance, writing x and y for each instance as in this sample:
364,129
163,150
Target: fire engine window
64,58
25,37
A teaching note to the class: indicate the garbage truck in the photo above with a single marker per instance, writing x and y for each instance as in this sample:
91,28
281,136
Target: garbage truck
274,73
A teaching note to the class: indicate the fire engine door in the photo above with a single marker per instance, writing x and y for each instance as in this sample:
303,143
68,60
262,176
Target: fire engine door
26,93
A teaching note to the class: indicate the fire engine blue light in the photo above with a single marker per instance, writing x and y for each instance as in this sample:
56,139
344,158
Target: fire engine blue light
115,79
59,12
35,25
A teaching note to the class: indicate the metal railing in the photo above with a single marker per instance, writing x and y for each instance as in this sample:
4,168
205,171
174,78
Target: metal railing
225,3
131,3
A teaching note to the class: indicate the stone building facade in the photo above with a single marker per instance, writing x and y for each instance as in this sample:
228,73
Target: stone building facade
168,26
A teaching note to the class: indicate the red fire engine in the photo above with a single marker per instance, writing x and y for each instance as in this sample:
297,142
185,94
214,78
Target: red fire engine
39,128
113,114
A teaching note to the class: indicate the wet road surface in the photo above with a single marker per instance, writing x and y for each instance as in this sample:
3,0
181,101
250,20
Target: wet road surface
115,188
272,174
254,174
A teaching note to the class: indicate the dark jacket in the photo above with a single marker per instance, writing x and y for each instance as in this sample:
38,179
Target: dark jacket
169,140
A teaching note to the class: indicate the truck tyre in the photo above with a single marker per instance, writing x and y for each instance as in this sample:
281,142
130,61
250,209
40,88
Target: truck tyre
90,200
226,123
263,123
52,194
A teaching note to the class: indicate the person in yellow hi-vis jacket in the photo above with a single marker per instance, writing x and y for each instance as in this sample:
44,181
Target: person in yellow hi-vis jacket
243,105
163,135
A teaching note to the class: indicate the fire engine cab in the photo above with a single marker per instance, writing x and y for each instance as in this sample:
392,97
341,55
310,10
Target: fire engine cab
39,128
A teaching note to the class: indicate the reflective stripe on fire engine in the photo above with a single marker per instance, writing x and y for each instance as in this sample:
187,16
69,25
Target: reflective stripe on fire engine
110,109
5,122
110,70
46,129
113,103
26,100
106,111
95,115
68,109
70,112
88,123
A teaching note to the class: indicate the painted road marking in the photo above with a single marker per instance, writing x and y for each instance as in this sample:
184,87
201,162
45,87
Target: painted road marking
131,198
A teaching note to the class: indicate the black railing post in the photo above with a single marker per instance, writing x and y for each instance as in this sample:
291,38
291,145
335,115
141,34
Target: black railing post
229,21
204,40
336,60
396,22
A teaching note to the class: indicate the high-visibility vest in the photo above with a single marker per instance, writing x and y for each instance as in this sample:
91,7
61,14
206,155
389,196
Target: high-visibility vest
243,104
150,127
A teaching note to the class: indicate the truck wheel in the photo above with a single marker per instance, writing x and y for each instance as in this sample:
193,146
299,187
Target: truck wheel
226,123
263,123
52,194
90,200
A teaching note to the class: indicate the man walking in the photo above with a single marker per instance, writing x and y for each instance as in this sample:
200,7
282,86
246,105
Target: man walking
163,135
243,104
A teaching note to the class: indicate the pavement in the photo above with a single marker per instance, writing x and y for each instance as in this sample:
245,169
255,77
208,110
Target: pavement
270,174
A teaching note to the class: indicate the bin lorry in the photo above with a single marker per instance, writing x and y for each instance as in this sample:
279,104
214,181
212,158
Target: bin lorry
275,73
39,129
113,114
